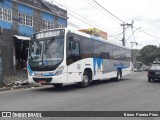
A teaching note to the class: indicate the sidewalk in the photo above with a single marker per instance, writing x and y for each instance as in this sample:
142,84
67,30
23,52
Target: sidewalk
17,87
5,88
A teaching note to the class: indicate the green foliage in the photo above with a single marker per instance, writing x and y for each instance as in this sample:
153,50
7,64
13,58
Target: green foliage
148,54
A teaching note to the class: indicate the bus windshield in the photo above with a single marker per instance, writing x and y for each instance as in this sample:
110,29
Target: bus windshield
138,65
46,52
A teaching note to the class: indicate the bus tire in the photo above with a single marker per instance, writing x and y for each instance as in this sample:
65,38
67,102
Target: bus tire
86,81
119,75
58,85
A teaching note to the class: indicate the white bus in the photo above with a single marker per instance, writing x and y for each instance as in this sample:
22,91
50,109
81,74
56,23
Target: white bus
62,56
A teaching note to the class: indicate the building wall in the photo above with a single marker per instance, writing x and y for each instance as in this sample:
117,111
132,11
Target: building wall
23,29
8,5
38,21
38,17
7,50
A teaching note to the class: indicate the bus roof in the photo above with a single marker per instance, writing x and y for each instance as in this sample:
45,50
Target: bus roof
89,36
96,38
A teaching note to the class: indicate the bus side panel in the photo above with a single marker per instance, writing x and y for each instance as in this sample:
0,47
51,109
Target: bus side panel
101,69
76,69
127,71
104,68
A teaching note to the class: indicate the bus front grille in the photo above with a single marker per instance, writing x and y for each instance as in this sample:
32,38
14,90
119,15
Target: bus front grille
47,80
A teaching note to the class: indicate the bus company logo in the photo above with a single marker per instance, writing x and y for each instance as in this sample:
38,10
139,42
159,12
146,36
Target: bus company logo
6,114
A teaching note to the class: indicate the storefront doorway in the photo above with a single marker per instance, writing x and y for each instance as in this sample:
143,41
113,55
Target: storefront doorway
21,51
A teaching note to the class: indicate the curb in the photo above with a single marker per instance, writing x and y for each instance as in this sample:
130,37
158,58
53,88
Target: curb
19,87
5,88
26,86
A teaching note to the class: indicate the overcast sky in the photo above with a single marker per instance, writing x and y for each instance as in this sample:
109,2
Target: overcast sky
145,13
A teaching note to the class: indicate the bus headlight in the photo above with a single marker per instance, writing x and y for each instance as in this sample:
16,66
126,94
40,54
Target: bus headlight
59,71
31,73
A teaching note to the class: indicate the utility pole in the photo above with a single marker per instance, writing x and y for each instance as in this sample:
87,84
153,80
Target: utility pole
124,28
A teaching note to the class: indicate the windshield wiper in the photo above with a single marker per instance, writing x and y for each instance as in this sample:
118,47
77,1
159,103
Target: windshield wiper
47,45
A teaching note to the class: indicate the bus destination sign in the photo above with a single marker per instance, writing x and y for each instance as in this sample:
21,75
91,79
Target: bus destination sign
47,34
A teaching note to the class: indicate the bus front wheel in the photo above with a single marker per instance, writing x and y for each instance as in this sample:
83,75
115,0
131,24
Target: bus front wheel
86,81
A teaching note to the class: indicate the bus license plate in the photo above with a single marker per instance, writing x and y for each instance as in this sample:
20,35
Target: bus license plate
42,81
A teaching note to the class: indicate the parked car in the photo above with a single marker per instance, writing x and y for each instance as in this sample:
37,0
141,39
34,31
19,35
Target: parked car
154,72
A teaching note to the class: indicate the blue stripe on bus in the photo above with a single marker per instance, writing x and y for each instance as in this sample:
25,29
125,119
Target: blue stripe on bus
29,69
48,74
121,67
97,62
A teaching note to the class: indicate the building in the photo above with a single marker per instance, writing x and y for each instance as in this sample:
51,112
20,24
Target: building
96,32
19,19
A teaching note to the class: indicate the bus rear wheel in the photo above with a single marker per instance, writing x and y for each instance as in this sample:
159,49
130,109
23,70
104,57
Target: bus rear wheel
86,81
119,75
58,85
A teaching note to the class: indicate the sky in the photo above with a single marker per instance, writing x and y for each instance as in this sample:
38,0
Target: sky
144,13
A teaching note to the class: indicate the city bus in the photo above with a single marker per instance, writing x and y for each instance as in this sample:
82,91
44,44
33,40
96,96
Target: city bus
62,56
138,66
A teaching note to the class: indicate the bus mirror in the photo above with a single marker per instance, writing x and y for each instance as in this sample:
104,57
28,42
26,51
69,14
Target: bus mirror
73,45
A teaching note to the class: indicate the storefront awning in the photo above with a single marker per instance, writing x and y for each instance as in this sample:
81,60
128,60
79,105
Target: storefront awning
22,37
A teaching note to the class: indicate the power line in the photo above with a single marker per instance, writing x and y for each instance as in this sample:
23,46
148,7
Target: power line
109,11
149,34
80,15
118,33
73,25
94,5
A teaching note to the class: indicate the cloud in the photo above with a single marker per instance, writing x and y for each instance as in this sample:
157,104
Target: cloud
145,13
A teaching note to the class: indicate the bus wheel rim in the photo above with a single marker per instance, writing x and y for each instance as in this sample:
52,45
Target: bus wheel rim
85,79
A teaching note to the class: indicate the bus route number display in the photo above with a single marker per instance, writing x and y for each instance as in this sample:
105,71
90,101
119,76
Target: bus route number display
49,34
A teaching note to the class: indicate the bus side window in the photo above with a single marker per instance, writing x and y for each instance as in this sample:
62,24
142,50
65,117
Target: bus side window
74,48
73,52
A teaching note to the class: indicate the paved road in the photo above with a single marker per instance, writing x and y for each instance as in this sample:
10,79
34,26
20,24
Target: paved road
133,93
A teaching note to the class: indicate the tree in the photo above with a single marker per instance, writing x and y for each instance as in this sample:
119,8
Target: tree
148,54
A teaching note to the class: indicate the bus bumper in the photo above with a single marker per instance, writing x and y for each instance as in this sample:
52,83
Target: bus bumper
49,79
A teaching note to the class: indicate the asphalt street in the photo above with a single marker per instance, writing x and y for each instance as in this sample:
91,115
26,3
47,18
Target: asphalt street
132,93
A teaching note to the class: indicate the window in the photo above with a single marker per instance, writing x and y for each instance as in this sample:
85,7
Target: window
5,14
116,53
99,49
108,51
73,48
25,19
29,20
47,25
86,48
61,26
